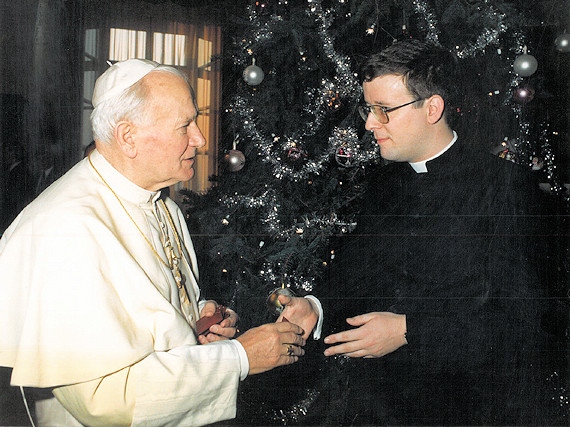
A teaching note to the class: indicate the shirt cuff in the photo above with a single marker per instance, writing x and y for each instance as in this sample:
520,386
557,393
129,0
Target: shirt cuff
319,327
201,305
243,360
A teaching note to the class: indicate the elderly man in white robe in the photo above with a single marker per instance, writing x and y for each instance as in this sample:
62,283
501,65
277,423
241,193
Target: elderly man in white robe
98,280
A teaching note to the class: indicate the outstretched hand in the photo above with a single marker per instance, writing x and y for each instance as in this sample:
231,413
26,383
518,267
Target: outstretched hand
376,334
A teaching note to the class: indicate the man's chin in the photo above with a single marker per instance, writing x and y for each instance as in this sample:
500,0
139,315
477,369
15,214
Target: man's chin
189,175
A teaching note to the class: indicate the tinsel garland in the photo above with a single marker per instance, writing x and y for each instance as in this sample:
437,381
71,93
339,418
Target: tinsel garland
547,155
490,36
267,201
296,411
423,8
521,142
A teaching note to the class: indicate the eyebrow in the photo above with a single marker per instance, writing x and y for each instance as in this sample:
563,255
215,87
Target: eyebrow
383,104
185,122
190,119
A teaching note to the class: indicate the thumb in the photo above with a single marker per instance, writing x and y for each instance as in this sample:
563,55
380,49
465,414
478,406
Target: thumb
358,320
209,309
284,299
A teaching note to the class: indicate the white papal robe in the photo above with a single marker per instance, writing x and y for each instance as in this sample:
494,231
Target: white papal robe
87,309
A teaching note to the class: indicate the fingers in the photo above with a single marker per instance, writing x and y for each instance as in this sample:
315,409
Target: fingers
348,342
232,318
289,327
293,351
203,339
271,345
376,335
225,328
351,349
221,332
344,336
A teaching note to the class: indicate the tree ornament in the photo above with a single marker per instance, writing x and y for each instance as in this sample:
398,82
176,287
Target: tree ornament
295,153
506,150
523,94
525,65
536,163
344,156
273,304
253,75
332,100
562,43
263,7
235,158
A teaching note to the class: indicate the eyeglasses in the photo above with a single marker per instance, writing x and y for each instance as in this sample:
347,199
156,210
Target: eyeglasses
380,112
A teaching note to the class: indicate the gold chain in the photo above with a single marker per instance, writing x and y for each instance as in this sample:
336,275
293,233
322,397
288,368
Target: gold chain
174,230
174,259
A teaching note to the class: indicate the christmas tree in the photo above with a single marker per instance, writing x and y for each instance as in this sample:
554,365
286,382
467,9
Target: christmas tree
294,155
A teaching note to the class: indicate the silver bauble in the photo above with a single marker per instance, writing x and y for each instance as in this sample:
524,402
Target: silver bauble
235,160
525,65
253,75
562,43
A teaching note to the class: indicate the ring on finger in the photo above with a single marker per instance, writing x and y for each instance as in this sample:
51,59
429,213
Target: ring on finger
290,350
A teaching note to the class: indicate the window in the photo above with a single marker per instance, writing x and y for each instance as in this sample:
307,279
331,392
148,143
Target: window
193,50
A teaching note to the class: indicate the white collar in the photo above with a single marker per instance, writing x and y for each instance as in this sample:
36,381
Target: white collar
421,167
120,184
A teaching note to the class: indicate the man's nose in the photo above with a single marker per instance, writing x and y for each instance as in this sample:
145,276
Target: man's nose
196,138
372,122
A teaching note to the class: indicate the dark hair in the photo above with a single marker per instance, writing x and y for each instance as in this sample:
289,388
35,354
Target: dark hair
427,68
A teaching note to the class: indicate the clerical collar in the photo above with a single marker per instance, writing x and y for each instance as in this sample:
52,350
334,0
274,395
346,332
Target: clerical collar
421,167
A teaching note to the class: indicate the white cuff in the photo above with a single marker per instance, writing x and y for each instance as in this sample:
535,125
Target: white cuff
319,326
243,360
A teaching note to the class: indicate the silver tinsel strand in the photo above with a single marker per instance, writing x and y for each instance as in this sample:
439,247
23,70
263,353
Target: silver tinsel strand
298,410
547,155
423,8
489,37
267,201
275,276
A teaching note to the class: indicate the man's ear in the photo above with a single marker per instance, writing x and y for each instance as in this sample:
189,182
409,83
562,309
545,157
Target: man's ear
124,135
435,108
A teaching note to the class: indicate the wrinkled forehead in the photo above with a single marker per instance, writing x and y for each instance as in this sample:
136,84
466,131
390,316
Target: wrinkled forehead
169,94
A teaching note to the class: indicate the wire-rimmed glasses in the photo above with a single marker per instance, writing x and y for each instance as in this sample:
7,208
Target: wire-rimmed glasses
379,111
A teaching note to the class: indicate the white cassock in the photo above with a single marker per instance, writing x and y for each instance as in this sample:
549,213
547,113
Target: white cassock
88,309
